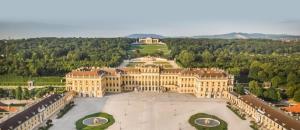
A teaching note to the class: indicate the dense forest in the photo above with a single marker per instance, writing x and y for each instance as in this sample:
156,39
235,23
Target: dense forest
56,56
258,61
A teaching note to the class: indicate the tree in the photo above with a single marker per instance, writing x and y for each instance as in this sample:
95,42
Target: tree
18,93
276,81
2,92
26,94
253,86
49,122
292,78
262,76
254,69
291,89
297,96
240,89
259,91
272,94
207,56
186,58
235,71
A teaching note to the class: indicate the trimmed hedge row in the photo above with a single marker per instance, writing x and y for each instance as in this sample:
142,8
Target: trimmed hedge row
63,111
235,111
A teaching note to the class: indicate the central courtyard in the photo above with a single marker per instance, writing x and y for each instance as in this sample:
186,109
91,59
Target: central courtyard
150,111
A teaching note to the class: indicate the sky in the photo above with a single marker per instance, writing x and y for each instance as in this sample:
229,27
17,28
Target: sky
114,18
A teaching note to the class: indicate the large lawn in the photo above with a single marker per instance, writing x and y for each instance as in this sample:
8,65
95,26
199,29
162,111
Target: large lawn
13,80
151,49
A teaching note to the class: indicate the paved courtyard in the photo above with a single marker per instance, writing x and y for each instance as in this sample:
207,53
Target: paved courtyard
150,111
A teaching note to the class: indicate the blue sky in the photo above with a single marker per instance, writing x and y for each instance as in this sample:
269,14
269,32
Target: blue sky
109,18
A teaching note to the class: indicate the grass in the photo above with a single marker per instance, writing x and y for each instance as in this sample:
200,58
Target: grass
235,111
81,126
164,64
132,64
14,80
151,49
222,126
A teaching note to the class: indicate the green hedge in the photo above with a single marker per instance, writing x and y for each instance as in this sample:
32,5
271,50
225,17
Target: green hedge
81,126
67,108
254,126
235,111
14,80
222,126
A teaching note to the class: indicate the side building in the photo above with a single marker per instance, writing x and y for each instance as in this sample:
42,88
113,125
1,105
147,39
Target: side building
263,114
38,113
202,82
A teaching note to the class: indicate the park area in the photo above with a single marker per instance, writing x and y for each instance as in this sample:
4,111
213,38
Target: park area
150,111
156,49
14,80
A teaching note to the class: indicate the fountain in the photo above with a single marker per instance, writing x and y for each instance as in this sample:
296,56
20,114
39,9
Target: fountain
94,121
207,122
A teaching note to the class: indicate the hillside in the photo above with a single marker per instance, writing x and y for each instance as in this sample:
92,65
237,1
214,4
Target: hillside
136,36
250,36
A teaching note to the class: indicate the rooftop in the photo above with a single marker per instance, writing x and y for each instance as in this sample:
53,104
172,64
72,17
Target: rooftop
21,117
201,72
276,115
293,109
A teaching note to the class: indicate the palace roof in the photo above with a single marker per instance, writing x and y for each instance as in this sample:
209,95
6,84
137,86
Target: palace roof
276,115
84,73
201,72
23,116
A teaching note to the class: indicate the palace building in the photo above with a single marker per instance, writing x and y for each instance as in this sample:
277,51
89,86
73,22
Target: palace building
202,82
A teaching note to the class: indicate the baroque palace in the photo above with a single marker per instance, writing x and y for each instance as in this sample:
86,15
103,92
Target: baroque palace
202,82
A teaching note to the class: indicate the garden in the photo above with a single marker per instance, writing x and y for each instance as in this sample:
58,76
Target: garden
202,121
96,121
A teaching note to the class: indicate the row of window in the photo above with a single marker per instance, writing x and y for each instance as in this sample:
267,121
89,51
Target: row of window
29,124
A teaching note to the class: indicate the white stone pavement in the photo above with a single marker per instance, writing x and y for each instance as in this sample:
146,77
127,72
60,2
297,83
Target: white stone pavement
150,111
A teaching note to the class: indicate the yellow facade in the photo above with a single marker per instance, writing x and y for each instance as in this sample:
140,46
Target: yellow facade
202,82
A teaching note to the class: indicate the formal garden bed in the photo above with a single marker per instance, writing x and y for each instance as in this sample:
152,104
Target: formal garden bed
96,121
133,64
236,111
202,121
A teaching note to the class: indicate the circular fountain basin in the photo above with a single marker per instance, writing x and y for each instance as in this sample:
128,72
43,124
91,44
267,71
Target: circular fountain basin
207,122
94,121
